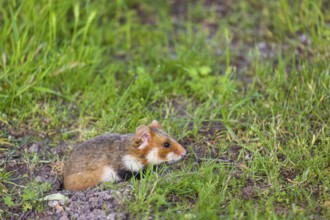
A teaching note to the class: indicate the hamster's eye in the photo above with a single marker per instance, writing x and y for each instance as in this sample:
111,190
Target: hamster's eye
167,145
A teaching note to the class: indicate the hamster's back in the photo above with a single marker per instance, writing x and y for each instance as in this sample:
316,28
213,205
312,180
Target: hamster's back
96,152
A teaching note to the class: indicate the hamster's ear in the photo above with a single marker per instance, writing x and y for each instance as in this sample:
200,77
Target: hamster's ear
155,124
143,133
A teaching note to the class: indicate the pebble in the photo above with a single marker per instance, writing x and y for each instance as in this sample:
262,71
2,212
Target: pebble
53,203
59,208
34,148
89,204
39,179
112,216
64,216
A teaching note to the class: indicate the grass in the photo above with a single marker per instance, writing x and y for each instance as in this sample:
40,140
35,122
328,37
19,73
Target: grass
216,74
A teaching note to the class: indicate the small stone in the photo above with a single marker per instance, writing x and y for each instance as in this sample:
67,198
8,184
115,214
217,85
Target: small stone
12,163
115,203
59,208
117,193
53,203
33,148
64,217
99,213
39,179
108,197
62,202
80,194
112,216
82,217
74,215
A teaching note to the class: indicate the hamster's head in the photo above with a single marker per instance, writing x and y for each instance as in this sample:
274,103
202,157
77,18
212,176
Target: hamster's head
155,146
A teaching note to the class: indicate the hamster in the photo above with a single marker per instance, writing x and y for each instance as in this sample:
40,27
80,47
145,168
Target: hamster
106,157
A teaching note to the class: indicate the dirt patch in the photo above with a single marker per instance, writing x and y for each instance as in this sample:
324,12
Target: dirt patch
208,128
88,204
280,209
289,174
248,193
281,157
174,198
205,143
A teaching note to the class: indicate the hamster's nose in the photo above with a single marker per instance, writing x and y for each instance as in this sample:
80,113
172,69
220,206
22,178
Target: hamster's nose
180,150
183,151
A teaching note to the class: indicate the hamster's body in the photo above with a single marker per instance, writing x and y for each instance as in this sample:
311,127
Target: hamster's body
106,157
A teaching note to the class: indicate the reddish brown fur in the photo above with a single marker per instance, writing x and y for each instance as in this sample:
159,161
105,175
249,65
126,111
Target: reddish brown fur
82,180
157,141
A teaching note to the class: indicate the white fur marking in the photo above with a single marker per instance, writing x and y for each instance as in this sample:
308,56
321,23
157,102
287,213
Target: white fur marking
132,163
171,157
153,157
109,175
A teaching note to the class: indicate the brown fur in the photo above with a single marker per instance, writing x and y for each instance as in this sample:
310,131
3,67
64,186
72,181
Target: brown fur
84,168
83,180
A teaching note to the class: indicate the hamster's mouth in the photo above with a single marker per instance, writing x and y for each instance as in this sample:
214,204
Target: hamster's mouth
174,161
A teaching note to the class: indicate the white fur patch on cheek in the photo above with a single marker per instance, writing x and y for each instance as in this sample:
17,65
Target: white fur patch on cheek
132,164
173,157
109,175
153,157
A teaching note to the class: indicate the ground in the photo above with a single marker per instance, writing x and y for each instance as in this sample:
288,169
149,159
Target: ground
244,85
